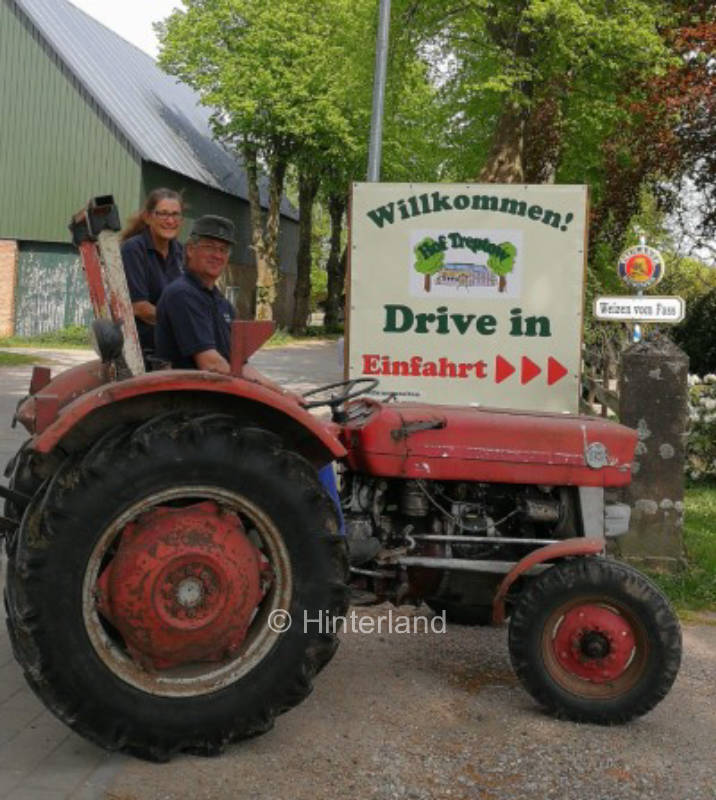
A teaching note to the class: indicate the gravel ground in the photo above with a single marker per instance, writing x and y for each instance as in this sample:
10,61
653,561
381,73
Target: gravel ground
417,717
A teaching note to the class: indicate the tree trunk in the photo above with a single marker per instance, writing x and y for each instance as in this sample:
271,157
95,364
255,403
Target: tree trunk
263,276
504,163
336,266
307,189
266,292
544,133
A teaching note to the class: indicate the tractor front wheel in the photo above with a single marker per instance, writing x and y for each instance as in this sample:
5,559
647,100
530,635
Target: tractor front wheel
150,591
593,640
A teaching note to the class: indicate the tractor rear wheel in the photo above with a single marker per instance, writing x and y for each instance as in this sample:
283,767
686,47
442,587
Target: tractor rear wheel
149,593
593,640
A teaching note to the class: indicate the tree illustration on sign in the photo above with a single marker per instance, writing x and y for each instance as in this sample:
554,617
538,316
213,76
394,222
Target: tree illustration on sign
425,264
503,264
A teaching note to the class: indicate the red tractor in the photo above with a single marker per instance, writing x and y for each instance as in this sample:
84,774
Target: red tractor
157,524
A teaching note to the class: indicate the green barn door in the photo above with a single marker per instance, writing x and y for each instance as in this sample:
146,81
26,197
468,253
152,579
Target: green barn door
51,291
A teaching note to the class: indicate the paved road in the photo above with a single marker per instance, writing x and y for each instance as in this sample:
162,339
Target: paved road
394,716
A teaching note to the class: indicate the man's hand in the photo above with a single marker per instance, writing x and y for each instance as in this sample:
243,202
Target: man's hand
212,361
145,311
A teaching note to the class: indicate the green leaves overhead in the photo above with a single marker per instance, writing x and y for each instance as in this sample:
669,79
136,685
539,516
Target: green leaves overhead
560,87
270,69
299,75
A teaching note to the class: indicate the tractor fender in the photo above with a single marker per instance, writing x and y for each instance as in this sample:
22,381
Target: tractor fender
578,546
106,405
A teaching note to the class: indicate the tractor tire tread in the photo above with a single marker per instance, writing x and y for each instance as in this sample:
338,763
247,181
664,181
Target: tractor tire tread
613,579
47,530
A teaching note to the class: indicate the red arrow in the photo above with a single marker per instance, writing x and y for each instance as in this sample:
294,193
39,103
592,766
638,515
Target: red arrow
530,370
555,371
503,369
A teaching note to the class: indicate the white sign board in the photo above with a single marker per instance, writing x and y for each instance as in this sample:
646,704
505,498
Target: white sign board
469,294
650,308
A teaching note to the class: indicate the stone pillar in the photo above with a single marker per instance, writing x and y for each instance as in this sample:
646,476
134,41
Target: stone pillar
8,279
653,399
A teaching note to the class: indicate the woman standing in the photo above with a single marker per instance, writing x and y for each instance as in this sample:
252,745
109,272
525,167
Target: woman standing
152,258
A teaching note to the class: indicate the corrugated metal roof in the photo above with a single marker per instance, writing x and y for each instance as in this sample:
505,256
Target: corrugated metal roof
160,116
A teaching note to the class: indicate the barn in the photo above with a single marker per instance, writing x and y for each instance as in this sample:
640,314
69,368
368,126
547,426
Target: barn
86,113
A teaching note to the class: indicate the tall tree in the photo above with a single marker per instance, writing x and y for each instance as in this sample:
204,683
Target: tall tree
308,182
513,68
262,65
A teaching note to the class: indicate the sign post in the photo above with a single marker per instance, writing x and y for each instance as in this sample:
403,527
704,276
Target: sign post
640,267
375,147
469,294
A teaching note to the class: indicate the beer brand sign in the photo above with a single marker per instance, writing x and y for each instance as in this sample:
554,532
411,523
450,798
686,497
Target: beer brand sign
641,267
468,294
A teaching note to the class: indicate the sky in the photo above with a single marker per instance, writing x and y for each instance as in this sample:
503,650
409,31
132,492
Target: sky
131,19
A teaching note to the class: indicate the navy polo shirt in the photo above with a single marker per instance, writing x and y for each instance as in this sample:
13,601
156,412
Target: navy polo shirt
191,319
148,272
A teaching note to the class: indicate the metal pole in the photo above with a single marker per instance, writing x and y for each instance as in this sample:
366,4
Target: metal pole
637,332
381,62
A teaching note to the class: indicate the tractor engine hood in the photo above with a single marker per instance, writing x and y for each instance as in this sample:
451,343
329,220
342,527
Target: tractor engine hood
455,443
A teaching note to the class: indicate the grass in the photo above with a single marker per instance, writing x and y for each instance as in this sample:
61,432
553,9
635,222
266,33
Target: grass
78,336
694,589
15,359
281,337
72,336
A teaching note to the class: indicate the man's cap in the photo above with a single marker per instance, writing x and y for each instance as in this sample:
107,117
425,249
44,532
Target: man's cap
214,228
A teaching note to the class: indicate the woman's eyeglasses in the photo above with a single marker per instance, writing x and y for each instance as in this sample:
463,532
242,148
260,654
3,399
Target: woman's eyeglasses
172,215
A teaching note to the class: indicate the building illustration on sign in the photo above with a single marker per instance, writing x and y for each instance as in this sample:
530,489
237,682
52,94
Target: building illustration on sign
465,263
466,276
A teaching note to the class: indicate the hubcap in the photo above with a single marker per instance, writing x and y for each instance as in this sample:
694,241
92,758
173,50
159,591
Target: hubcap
594,643
183,585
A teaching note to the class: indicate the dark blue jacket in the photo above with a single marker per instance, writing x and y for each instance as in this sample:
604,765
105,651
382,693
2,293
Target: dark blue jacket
191,319
148,272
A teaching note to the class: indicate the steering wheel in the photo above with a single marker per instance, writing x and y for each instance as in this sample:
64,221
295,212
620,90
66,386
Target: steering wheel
351,388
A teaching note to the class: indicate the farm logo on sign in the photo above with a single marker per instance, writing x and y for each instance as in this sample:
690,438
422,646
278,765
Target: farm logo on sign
641,267
465,264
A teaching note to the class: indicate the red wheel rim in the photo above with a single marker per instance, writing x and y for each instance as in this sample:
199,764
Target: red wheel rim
594,647
594,642
183,585
240,532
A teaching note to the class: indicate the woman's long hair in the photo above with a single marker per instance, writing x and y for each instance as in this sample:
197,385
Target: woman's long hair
136,223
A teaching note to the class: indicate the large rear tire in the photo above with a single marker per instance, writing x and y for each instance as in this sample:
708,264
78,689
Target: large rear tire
593,640
88,661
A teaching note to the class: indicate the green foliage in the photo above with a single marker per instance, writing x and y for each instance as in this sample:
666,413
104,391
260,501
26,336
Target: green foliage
319,285
264,65
282,338
290,81
684,276
581,55
503,265
701,444
695,587
696,335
